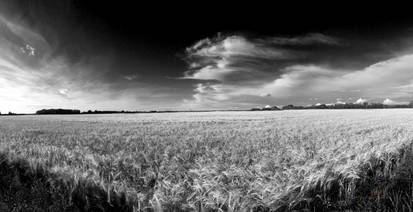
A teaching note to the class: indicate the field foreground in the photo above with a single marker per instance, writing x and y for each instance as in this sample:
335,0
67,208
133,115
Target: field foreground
231,161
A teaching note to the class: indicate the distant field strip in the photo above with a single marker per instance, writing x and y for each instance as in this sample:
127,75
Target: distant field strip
227,160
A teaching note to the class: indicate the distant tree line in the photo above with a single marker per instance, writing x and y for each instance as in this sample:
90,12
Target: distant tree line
9,114
57,111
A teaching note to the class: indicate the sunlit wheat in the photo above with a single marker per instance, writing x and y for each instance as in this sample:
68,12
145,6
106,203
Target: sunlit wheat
217,160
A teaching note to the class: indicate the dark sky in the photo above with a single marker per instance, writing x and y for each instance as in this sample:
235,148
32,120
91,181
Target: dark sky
200,55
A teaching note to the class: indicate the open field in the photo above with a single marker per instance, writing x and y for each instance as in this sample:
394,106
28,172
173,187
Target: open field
280,160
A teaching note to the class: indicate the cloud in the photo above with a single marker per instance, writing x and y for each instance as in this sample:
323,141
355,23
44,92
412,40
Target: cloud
339,101
309,39
247,71
130,77
236,46
388,101
360,101
377,80
216,58
33,75
220,57
29,50
63,91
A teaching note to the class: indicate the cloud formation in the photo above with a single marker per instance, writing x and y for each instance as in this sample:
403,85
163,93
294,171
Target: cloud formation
235,71
33,75
50,60
221,58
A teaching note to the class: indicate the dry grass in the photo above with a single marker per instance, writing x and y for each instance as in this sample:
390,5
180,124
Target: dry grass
232,161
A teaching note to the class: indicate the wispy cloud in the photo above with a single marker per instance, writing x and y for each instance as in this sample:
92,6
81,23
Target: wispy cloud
309,39
221,57
130,77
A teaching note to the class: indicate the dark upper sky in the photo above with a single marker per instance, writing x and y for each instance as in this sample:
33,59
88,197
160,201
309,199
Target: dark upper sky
204,55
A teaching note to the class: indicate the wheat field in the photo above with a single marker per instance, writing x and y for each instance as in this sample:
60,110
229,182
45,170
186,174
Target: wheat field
210,161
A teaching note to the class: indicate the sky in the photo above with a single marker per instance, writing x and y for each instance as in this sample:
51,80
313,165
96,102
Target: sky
98,55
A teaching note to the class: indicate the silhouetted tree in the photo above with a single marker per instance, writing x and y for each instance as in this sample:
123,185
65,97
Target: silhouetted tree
57,111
